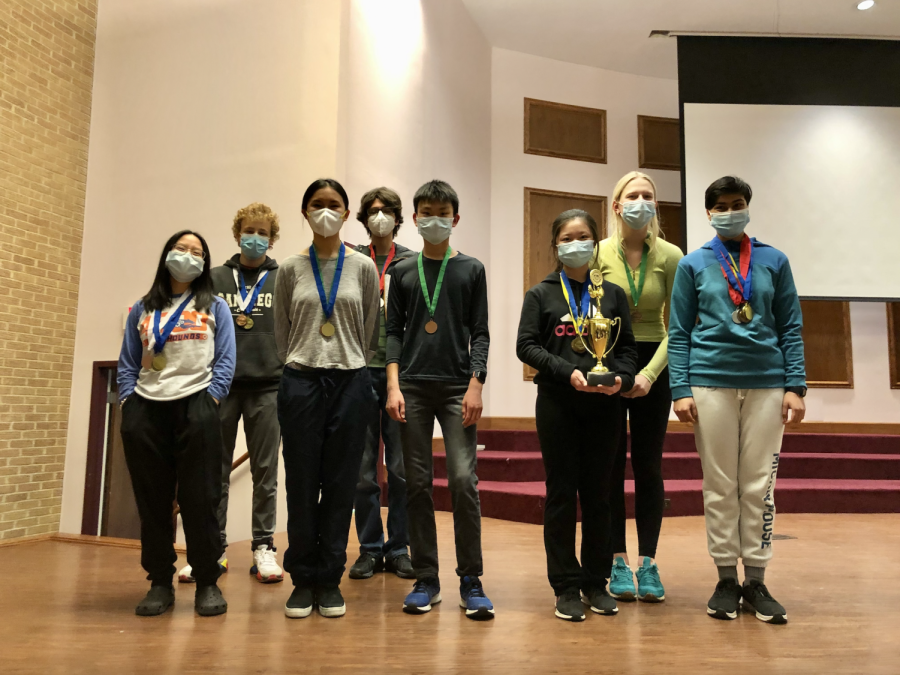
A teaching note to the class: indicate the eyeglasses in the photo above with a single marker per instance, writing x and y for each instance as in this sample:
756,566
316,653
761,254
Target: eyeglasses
196,252
386,210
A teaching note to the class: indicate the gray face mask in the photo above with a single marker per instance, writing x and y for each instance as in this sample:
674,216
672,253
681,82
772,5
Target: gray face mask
434,229
575,253
183,266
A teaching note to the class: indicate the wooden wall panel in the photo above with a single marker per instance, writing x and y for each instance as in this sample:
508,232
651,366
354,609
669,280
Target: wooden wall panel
567,131
893,319
670,223
541,209
827,344
659,143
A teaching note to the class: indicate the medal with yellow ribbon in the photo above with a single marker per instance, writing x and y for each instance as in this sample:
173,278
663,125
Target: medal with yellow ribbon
578,314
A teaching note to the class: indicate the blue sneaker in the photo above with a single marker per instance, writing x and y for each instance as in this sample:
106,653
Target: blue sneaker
473,599
621,581
650,588
425,593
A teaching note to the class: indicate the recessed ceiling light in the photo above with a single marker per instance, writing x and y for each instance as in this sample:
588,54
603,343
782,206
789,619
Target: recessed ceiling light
866,4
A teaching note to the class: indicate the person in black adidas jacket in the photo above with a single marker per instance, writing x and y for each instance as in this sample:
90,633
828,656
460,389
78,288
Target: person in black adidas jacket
257,376
577,424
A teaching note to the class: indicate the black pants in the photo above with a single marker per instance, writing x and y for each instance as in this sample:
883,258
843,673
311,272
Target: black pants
173,445
649,419
323,416
578,433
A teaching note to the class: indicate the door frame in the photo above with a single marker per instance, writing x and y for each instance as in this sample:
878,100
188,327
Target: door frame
98,425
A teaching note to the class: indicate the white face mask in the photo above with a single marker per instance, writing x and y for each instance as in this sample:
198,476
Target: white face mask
183,266
380,225
435,229
325,222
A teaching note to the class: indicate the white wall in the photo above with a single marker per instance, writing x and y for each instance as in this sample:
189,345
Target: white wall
199,108
518,76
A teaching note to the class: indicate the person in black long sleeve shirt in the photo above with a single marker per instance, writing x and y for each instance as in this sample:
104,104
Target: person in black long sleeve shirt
437,349
577,424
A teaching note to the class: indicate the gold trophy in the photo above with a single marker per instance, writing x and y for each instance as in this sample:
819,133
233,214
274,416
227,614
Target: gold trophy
599,330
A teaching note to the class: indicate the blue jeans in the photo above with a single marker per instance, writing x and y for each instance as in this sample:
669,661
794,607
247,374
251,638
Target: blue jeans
369,529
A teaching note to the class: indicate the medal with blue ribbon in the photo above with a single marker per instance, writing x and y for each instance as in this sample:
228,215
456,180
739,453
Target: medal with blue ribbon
578,314
247,299
161,335
740,278
327,329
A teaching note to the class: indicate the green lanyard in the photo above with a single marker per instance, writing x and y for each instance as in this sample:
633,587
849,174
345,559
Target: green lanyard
636,292
431,304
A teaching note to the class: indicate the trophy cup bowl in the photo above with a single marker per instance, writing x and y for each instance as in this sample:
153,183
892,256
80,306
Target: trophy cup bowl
599,329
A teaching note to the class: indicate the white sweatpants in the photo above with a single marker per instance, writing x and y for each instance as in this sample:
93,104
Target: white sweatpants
738,434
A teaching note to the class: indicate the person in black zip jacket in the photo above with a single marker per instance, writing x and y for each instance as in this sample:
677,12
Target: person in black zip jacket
577,424
256,378
381,213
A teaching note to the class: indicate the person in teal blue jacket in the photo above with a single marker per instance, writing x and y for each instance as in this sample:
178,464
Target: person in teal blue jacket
737,373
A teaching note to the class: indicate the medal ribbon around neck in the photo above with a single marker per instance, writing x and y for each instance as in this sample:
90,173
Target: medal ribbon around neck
740,286
636,292
387,263
247,299
160,336
327,305
431,304
578,316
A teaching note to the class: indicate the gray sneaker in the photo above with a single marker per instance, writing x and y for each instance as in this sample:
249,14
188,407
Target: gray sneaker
725,600
758,599
600,601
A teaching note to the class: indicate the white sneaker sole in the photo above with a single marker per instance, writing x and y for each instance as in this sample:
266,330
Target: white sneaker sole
476,613
776,619
649,597
566,617
719,614
332,612
595,610
271,579
414,609
297,612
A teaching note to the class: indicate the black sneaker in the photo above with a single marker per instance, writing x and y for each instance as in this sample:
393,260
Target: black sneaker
300,604
366,565
725,600
758,599
600,601
208,601
569,607
400,565
330,602
157,601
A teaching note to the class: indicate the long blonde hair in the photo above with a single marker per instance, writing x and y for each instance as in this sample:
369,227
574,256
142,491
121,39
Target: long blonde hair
616,224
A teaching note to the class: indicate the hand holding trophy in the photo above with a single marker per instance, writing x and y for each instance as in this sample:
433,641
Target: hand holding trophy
599,330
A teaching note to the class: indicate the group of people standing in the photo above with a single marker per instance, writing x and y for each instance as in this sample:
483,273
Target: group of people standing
342,348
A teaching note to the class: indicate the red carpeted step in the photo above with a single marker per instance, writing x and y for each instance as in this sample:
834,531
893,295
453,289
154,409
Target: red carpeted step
523,502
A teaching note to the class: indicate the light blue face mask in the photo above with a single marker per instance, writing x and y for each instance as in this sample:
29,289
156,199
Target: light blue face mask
254,246
731,223
575,253
434,229
637,214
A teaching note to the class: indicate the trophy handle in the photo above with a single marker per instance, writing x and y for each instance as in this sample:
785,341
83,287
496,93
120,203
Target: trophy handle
612,323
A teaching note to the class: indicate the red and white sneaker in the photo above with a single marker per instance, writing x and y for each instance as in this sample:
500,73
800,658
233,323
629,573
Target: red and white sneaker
185,574
265,566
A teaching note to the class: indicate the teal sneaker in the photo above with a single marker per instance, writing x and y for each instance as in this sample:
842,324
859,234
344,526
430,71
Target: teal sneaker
621,582
650,588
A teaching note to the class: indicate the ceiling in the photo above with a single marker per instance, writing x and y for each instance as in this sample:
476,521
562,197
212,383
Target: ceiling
613,34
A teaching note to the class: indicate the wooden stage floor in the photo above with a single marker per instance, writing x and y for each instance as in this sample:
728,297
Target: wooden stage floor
68,608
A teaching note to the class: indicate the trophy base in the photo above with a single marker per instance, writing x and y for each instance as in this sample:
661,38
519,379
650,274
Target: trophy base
607,379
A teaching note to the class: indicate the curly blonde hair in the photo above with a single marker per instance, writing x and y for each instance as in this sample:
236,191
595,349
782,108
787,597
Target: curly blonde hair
256,211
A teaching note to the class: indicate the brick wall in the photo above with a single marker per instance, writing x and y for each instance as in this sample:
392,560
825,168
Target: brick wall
46,71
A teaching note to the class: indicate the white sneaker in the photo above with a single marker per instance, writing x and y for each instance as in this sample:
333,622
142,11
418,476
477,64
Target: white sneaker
265,566
185,576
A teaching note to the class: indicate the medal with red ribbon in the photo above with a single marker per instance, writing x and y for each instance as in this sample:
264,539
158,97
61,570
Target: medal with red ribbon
739,278
387,263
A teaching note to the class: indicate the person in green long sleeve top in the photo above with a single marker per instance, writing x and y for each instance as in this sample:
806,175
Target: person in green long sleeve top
638,259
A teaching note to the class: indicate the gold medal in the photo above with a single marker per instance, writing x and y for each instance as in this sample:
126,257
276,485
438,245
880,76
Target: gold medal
158,362
431,327
746,312
327,329
248,324
578,346
241,320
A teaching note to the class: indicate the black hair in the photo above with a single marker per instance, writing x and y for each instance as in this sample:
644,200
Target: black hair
387,197
317,185
160,294
561,220
727,185
437,191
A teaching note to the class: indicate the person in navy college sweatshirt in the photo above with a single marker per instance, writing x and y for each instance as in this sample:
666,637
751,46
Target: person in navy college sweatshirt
175,366
736,370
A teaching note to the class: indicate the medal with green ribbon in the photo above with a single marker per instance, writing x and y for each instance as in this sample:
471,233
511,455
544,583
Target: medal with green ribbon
629,273
431,303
